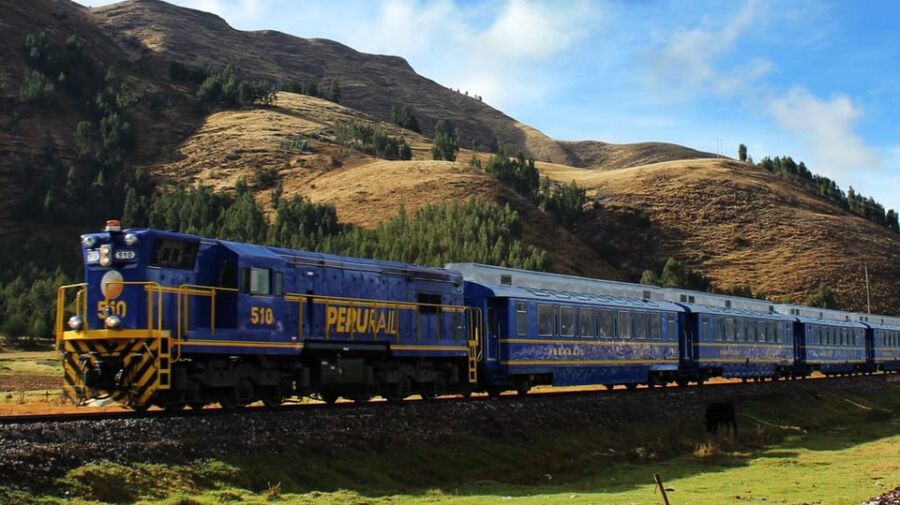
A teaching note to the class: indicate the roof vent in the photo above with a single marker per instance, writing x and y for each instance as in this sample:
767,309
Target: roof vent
771,308
646,294
506,279
683,298
727,304
691,299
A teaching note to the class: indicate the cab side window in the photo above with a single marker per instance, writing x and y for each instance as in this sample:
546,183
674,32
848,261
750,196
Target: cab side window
262,281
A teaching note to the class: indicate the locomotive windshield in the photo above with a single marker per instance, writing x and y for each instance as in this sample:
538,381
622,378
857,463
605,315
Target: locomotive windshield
172,253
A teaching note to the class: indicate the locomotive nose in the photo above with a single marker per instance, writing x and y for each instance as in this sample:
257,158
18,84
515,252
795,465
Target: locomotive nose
105,374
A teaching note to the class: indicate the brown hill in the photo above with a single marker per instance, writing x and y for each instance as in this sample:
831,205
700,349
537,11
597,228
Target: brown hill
365,191
602,155
369,83
738,225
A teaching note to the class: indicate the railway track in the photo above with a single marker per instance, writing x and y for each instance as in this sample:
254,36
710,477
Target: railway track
535,395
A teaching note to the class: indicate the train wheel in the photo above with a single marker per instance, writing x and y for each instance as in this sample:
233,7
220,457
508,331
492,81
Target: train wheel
174,406
682,382
494,392
329,398
272,397
361,397
631,386
196,405
427,390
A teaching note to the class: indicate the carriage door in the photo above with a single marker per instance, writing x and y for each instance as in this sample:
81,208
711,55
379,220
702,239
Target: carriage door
492,336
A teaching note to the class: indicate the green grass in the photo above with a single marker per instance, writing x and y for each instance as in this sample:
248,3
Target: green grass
825,448
30,363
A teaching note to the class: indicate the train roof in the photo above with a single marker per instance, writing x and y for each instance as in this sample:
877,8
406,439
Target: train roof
295,257
529,293
507,277
878,321
737,312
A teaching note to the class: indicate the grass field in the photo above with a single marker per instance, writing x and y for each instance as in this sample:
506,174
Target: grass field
827,448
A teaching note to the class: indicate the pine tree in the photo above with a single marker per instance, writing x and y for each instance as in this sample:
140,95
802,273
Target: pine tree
444,146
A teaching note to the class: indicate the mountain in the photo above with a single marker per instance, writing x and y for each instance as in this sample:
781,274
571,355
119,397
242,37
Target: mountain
739,225
647,202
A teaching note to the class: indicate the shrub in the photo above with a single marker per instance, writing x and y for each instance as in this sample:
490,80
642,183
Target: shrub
36,89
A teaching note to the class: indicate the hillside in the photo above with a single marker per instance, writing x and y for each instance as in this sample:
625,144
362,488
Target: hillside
365,191
369,83
738,225
653,200
602,155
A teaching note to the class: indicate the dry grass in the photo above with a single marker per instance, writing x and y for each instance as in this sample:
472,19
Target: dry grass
364,190
742,225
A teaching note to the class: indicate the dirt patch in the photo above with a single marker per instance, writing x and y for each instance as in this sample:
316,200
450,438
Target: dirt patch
15,383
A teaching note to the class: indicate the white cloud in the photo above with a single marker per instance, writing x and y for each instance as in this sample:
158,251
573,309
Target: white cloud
826,129
687,64
453,44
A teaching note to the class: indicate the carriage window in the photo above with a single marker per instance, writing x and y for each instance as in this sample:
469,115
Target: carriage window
741,333
729,329
170,253
521,319
779,332
587,322
624,324
607,323
705,326
567,321
655,329
673,327
761,333
546,320
641,325
719,329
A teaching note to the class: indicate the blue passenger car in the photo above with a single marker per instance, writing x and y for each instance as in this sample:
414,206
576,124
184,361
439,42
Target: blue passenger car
884,347
546,336
832,347
731,342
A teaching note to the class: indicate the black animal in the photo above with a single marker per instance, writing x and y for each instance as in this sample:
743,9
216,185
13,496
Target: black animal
720,414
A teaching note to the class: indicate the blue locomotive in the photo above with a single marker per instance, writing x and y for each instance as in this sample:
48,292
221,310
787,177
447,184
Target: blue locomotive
177,320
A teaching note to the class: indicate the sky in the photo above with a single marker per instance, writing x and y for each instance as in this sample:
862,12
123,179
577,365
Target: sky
814,79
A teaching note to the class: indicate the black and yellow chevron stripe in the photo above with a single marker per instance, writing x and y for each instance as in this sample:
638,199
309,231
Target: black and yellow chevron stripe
146,367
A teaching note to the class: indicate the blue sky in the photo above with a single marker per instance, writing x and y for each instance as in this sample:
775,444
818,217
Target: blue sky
816,80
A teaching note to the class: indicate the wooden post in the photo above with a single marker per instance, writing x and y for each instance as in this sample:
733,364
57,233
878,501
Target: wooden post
662,489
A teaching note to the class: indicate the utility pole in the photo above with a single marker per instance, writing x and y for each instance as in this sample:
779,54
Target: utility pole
868,297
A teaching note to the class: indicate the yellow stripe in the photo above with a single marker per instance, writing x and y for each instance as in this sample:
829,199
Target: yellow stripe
430,347
587,362
583,342
835,347
236,343
744,360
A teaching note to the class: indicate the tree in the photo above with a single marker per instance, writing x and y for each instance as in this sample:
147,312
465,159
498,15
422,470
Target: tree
36,89
649,278
672,274
335,91
824,298
742,152
891,220
444,146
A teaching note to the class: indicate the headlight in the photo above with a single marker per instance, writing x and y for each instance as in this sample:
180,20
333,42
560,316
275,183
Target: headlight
113,322
130,239
89,241
75,323
105,255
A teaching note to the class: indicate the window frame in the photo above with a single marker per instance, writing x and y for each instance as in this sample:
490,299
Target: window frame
571,310
543,311
521,311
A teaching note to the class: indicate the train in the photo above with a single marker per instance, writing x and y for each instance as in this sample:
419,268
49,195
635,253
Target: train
180,321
